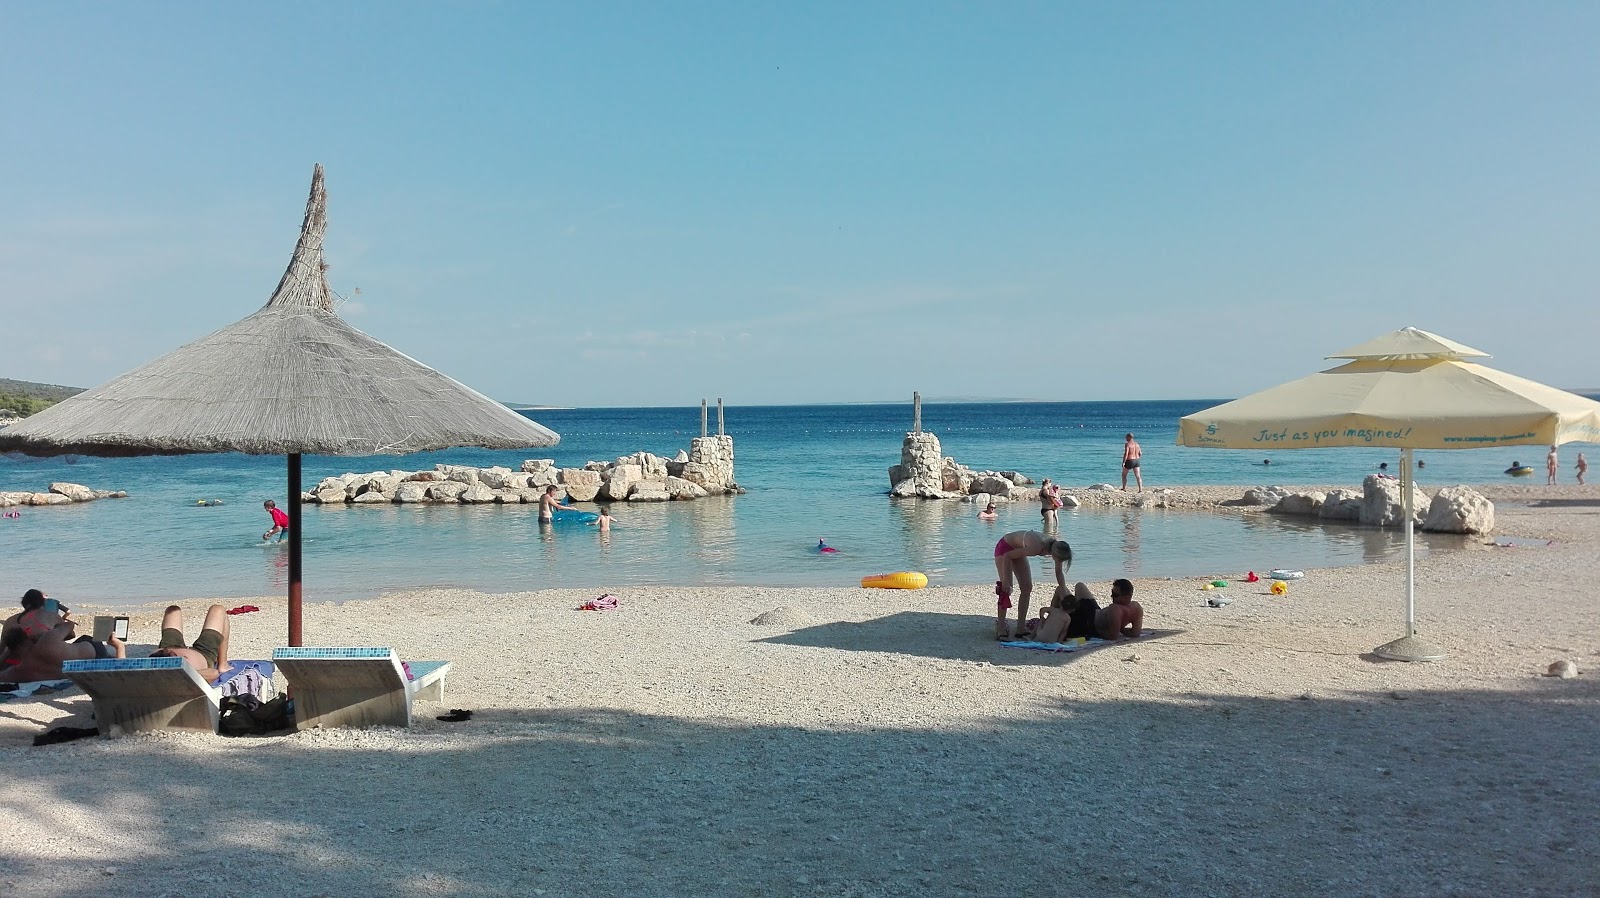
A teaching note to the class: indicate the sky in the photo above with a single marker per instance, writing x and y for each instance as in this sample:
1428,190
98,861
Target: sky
626,204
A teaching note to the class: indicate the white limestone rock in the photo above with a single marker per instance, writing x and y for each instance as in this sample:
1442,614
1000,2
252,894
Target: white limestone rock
1301,504
1459,509
570,477
1016,478
678,488
495,478
48,499
681,457
1103,487
373,497
332,496
1268,496
73,491
905,489
1070,501
620,481
1380,502
447,491
578,492
538,465
1564,669
649,491
1341,505
411,491
477,494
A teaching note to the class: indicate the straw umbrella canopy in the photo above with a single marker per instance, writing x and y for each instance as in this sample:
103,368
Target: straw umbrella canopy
291,379
1407,390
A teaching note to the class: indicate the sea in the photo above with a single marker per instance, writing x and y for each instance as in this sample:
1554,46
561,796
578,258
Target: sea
811,473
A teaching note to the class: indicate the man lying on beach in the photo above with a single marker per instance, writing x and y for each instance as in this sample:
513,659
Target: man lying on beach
1123,618
1011,555
208,655
39,657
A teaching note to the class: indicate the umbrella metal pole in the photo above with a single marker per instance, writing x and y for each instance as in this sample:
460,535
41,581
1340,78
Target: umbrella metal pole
1409,647
294,549
1411,542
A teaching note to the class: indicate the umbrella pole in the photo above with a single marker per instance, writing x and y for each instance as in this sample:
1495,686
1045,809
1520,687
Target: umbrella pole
1409,647
294,548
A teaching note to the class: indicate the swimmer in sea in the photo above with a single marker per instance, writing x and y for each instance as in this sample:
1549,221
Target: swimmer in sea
824,548
988,514
549,505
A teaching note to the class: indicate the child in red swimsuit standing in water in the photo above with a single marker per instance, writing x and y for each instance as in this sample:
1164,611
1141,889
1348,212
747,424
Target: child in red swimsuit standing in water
280,521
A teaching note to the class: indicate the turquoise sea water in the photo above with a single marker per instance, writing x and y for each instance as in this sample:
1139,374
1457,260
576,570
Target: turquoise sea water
811,472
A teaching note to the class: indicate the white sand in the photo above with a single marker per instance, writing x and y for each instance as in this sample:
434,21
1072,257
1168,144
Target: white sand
866,743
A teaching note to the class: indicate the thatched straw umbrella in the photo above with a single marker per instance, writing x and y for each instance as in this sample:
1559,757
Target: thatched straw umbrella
291,379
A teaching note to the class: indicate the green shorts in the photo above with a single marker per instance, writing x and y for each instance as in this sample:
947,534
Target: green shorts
208,643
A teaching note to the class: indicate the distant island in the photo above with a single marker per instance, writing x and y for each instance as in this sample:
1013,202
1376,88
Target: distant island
21,398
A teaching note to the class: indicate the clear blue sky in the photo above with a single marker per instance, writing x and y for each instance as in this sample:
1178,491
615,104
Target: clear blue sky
643,204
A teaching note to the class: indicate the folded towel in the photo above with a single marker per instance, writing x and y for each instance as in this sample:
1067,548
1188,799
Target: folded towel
607,602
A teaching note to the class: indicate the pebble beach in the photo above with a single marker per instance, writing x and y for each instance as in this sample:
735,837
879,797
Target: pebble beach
849,742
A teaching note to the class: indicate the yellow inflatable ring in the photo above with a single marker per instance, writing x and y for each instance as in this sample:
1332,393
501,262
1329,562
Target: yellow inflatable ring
896,580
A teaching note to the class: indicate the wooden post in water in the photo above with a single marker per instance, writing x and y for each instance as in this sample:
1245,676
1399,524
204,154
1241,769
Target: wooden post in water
702,417
719,416
916,412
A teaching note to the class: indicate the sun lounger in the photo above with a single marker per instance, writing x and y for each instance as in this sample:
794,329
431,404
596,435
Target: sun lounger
357,687
133,695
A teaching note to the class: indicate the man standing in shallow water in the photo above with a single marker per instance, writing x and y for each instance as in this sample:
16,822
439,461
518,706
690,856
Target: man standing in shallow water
1131,454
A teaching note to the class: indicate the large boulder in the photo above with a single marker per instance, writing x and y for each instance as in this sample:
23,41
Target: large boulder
74,491
373,497
679,488
653,467
1068,501
991,482
1268,496
477,494
495,478
1380,502
649,491
334,495
1459,509
1341,505
459,473
383,483
955,477
538,465
543,478
48,499
620,481
578,477
581,492
411,491
905,489
1303,504
1016,479
447,491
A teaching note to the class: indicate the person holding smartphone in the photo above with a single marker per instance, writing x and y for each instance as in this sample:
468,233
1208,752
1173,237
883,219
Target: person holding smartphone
39,657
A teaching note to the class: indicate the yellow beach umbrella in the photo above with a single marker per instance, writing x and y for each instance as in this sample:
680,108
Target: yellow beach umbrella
1407,390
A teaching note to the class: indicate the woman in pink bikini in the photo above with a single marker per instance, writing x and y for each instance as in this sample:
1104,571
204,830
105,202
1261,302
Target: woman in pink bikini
1011,556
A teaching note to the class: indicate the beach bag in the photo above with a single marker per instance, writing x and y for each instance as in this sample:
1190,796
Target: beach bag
246,715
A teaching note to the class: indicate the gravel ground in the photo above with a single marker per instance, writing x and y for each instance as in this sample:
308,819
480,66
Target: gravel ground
847,742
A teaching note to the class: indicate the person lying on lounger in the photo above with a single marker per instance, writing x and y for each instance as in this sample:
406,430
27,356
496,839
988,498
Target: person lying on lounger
208,655
39,657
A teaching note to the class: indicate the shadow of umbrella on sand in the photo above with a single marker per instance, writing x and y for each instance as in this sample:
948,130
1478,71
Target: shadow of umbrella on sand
292,379
1408,390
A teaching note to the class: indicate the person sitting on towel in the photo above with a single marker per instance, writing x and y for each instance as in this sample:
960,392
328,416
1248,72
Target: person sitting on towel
39,657
1071,615
208,655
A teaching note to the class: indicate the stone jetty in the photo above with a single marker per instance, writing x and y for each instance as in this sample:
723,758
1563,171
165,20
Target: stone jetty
925,472
705,470
60,493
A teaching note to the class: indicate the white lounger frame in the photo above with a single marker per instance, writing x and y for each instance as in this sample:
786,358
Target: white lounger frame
356,687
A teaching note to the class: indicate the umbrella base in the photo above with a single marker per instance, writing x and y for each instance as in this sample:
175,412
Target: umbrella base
1410,648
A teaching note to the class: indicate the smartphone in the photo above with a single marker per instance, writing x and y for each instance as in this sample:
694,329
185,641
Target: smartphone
119,628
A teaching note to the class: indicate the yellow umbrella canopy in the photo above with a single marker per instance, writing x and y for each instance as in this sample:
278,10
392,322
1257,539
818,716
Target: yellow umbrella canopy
1395,395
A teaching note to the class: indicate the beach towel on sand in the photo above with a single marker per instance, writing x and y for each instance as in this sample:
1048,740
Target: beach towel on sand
607,602
1071,645
9,691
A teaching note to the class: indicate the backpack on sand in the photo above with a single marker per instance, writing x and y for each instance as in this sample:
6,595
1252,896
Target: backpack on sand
246,715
